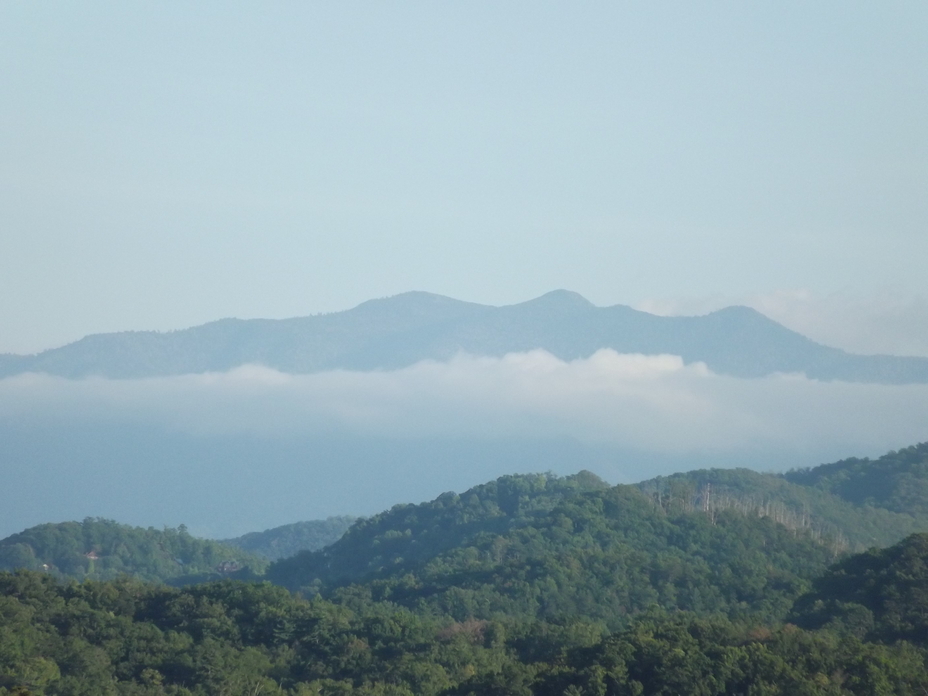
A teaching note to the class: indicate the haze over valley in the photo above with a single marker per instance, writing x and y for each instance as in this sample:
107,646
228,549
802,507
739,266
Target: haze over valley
402,398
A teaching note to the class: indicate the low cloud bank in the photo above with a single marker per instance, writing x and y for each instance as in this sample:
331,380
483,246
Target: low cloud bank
648,403
253,448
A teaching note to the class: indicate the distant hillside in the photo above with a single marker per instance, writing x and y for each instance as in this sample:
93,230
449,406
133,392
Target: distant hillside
541,545
897,481
846,523
102,549
402,330
290,539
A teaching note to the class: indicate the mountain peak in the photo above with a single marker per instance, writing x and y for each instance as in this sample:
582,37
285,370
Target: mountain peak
559,299
741,318
413,301
739,314
412,297
739,311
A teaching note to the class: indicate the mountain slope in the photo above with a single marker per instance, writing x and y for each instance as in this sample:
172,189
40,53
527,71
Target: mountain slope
402,330
881,594
102,549
542,547
897,481
821,512
290,539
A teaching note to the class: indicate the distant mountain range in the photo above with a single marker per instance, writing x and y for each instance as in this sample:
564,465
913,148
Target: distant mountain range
399,331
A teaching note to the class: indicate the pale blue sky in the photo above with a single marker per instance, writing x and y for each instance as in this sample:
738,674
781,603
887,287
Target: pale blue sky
162,165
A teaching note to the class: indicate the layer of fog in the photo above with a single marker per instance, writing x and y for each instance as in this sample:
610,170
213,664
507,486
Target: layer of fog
253,448
647,402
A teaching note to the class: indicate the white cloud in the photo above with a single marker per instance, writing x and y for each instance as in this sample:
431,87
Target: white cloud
254,448
649,403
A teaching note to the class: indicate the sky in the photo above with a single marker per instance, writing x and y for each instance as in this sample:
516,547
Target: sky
163,165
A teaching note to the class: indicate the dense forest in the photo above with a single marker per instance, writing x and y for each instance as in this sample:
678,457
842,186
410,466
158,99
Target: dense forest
290,539
853,525
128,637
881,594
897,481
548,548
102,549
712,582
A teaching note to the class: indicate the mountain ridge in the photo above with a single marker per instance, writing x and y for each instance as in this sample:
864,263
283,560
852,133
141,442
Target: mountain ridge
398,331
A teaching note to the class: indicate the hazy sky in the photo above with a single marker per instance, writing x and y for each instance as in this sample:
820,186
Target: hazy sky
166,164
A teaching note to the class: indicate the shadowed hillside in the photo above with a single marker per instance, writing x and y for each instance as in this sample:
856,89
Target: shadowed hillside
881,594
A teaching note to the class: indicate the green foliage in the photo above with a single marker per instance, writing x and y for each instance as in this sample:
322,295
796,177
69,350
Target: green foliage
102,549
841,522
539,547
126,637
881,594
712,657
897,481
290,539
382,543
525,586
222,638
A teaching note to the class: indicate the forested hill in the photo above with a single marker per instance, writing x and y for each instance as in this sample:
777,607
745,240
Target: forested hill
881,594
544,547
897,481
102,549
402,330
817,510
846,506
413,534
290,539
